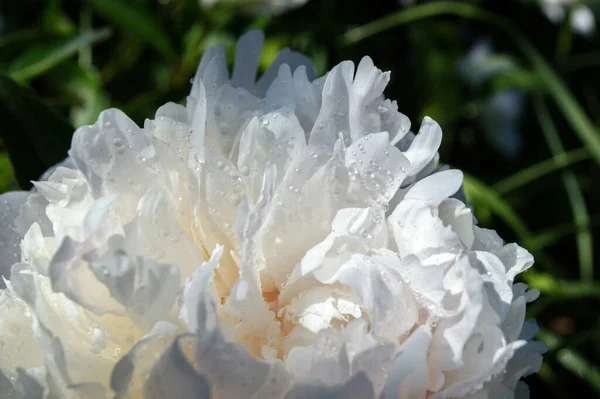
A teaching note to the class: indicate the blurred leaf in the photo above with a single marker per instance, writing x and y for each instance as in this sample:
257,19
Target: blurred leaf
39,58
56,20
35,137
579,366
567,103
551,235
556,288
18,36
572,360
578,206
537,171
137,21
7,176
84,88
515,78
479,192
193,44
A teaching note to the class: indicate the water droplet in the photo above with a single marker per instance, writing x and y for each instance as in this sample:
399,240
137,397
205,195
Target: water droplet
234,199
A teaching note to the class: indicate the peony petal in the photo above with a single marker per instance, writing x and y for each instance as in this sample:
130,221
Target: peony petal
146,289
66,163
37,251
69,201
381,166
486,357
392,121
274,140
286,56
436,188
233,109
171,126
117,157
361,229
458,216
10,253
68,372
308,99
515,259
409,373
212,72
144,238
247,54
195,307
425,145
333,117
8,391
199,120
34,210
19,348
367,87
27,386
173,376
358,387
281,93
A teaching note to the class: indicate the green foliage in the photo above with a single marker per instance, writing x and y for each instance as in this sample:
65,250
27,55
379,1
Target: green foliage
67,61
35,137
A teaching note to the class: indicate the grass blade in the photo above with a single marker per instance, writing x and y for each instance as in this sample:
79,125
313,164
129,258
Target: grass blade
578,206
477,191
572,360
38,59
541,169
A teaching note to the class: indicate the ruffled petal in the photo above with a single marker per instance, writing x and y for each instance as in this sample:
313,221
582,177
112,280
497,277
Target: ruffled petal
10,252
131,369
424,146
275,140
247,54
214,356
409,373
381,166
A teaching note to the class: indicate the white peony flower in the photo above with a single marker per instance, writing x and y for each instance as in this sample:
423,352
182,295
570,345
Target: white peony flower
242,247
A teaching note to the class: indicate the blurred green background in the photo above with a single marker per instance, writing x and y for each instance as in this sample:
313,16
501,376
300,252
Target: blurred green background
516,95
